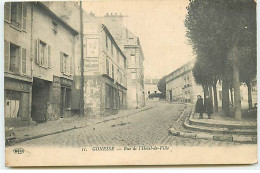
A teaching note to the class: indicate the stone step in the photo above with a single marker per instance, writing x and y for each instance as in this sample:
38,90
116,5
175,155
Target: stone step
222,124
218,130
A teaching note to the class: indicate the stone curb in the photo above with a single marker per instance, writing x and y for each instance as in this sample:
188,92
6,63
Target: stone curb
219,125
238,139
234,138
73,128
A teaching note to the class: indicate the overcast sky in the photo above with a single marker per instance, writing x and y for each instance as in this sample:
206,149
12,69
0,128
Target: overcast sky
160,27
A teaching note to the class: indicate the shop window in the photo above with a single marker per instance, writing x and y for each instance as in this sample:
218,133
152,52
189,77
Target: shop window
12,104
43,54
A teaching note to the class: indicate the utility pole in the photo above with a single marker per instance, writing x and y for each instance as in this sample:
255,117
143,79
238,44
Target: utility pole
81,104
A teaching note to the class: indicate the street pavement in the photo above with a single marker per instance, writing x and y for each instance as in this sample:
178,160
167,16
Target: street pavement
148,127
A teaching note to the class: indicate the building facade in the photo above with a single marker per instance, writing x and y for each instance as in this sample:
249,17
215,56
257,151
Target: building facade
150,85
39,60
131,45
17,57
180,85
105,84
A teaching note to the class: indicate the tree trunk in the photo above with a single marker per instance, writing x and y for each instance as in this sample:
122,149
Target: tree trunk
206,90
249,88
225,96
215,98
236,84
210,95
231,95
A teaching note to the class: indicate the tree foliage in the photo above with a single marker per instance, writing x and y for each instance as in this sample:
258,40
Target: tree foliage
214,28
162,84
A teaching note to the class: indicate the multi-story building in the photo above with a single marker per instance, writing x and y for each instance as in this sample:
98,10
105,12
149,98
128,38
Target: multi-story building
180,85
18,65
105,82
131,45
39,60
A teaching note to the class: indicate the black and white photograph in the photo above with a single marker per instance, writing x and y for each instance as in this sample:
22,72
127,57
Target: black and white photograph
128,82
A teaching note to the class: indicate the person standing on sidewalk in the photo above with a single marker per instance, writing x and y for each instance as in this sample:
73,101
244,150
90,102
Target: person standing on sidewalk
199,108
208,106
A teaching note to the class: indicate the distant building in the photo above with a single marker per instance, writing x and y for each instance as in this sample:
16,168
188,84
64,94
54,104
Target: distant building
150,86
131,46
180,85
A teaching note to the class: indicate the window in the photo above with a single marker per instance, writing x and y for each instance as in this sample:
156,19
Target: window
133,76
16,14
113,73
24,57
107,66
43,54
106,42
118,57
24,16
112,47
132,59
15,58
66,64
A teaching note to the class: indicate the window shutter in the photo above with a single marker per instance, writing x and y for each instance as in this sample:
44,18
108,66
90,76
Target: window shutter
37,51
7,12
67,68
18,60
19,16
49,56
24,54
61,62
24,17
7,55
71,70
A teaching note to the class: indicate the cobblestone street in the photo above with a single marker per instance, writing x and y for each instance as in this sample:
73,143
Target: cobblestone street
149,127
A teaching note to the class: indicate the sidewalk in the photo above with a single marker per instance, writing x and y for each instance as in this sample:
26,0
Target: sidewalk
217,128
65,124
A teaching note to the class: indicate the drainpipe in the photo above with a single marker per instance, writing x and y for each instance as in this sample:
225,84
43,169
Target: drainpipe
31,60
82,64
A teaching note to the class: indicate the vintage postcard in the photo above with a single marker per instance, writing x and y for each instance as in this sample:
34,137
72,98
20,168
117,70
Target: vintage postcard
130,82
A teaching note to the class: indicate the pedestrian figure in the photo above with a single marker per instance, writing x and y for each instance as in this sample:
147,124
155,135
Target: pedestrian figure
208,106
199,108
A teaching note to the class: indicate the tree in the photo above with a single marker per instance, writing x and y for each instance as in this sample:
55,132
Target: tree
162,86
204,74
215,29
